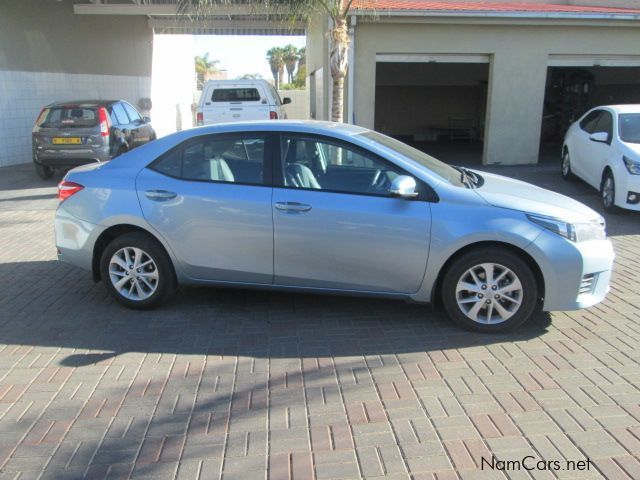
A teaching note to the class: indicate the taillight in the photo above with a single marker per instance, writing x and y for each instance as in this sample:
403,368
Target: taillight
103,117
273,115
199,119
67,189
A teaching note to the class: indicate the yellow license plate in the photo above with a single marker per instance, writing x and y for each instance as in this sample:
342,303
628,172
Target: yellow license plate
67,140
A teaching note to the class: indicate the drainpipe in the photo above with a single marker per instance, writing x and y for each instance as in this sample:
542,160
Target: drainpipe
351,115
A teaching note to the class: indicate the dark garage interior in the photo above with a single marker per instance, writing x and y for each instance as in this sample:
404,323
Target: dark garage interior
571,91
439,108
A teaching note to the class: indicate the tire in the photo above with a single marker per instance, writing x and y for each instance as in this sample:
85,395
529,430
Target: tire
608,193
149,286
565,167
491,314
43,171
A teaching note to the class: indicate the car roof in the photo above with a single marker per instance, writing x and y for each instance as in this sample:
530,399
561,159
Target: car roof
623,108
310,126
83,103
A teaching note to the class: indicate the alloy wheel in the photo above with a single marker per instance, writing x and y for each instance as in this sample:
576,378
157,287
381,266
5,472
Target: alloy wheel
133,273
489,293
608,192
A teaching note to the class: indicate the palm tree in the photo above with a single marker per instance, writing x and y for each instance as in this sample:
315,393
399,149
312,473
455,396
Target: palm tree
275,57
302,56
337,10
290,57
203,66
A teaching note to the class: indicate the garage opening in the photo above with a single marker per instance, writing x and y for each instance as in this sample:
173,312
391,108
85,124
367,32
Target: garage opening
437,106
572,90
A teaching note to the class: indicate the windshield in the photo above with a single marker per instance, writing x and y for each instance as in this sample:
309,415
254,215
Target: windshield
629,127
68,117
441,169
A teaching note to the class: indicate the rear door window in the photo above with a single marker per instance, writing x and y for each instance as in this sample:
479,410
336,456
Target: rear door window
235,95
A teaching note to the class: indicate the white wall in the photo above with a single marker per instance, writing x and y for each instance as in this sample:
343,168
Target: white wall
298,109
173,83
23,94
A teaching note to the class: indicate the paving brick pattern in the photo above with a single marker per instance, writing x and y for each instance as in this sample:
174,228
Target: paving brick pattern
240,385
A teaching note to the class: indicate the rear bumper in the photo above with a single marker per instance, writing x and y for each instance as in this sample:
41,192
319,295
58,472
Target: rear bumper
75,239
71,158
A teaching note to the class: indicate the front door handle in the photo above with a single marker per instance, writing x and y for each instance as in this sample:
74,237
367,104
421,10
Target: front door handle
160,195
293,207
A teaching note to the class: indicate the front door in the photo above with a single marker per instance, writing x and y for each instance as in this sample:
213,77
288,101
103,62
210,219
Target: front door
210,198
335,226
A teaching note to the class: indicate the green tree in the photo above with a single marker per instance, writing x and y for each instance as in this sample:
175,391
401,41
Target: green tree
290,57
336,10
275,57
203,66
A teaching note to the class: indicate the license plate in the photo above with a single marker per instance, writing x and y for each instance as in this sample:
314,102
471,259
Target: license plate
66,141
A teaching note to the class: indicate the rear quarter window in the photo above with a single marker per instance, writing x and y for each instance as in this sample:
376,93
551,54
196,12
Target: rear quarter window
235,95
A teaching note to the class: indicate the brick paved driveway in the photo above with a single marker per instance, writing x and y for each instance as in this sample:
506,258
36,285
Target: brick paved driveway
241,385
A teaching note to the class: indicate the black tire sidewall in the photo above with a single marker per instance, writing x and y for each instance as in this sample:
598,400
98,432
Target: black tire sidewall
489,255
166,273
569,175
611,208
43,171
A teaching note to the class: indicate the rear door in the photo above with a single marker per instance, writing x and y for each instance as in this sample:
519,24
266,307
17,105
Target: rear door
233,103
210,199
73,128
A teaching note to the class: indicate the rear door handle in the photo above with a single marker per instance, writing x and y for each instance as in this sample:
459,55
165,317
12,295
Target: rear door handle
160,195
293,207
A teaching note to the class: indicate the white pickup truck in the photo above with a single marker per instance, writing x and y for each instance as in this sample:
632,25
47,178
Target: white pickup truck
238,100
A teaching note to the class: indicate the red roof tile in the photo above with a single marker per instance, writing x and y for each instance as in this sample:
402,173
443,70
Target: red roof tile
485,7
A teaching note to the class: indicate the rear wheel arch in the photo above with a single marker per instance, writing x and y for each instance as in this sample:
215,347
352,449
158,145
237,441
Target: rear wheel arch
110,234
528,259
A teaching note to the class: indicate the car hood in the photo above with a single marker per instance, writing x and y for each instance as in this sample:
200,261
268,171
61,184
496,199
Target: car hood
633,149
514,194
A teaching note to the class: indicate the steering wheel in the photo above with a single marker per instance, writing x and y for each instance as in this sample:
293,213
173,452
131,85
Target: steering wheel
380,182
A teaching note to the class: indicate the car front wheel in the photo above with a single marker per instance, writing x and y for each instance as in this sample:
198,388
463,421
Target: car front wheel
608,193
565,166
137,271
489,290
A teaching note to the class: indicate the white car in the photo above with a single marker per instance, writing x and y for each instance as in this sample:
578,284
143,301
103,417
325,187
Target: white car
603,149
239,100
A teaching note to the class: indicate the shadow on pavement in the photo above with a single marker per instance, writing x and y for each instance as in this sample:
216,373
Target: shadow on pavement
52,304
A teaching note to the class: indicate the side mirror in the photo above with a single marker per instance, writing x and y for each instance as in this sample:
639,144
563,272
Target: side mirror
146,119
286,101
403,186
600,137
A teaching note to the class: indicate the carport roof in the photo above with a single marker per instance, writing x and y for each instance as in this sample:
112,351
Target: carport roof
493,8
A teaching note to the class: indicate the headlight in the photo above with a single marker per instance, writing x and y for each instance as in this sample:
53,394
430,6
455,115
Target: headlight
576,232
632,165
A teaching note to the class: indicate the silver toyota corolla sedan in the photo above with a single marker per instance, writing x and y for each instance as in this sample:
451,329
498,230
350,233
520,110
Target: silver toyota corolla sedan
324,207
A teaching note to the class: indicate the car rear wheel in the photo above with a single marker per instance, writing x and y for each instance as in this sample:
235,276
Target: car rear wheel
608,192
43,171
137,271
489,290
565,166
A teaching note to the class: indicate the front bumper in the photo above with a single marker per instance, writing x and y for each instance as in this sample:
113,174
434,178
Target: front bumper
576,275
75,239
70,157
628,184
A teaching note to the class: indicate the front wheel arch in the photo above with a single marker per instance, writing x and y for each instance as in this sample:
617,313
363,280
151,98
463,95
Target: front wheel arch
528,259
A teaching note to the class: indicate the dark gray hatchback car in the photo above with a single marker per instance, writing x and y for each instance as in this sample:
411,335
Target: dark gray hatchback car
68,134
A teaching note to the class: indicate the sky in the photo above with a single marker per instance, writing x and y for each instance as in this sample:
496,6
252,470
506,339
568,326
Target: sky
241,54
